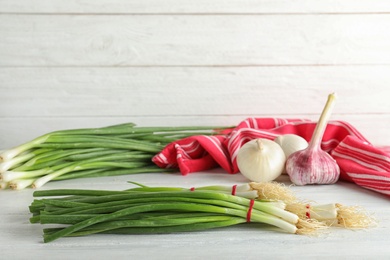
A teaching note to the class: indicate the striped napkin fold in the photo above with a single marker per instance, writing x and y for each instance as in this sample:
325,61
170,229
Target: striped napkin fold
360,162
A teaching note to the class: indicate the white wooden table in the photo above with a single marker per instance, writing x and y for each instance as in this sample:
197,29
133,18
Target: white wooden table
21,240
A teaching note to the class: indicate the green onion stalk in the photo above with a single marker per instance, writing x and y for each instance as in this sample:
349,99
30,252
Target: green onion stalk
329,214
145,210
90,152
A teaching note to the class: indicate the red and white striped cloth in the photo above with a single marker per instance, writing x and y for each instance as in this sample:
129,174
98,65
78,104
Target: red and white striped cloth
360,162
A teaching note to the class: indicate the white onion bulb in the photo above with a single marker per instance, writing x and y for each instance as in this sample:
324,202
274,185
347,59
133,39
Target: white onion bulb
261,160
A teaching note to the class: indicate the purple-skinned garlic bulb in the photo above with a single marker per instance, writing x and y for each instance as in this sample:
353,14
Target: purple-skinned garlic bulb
313,165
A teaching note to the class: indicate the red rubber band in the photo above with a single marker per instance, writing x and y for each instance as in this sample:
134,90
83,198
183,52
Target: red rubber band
308,211
234,188
192,189
249,213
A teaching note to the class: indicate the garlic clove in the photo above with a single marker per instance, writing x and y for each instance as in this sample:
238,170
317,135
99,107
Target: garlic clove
312,167
261,160
291,143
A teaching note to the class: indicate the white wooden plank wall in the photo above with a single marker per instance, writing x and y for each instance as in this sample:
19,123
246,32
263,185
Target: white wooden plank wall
70,64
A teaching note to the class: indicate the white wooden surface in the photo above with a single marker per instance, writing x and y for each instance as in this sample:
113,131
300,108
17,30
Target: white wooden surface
71,64
20,240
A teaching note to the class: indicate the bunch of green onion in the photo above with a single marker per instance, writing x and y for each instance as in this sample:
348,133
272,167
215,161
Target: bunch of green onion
76,153
328,214
146,210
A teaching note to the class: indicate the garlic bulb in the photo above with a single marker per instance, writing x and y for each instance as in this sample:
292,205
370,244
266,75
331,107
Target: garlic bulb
313,165
291,143
261,160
